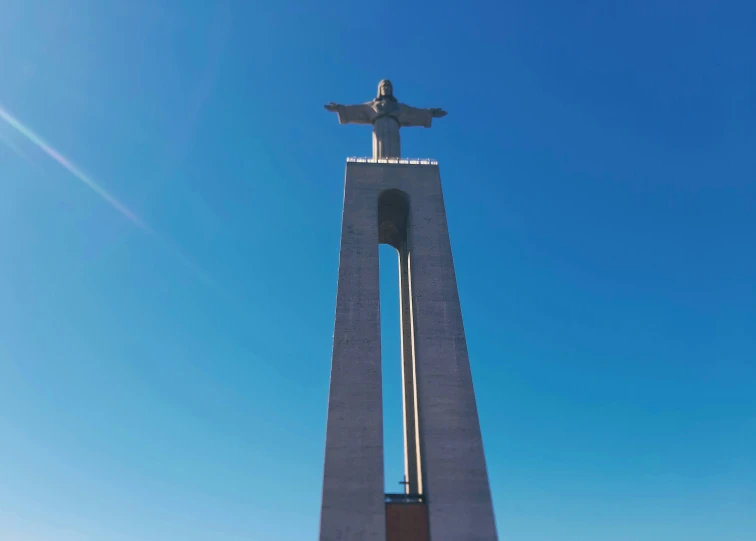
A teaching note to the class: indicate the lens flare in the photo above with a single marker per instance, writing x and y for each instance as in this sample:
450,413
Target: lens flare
70,167
67,164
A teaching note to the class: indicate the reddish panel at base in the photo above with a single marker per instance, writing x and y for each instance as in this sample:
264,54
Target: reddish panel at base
407,522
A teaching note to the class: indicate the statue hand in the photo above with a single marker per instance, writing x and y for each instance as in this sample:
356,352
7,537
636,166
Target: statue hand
332,107
438,113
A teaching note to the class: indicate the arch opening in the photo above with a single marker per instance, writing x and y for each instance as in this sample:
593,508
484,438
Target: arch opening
393,230
393,217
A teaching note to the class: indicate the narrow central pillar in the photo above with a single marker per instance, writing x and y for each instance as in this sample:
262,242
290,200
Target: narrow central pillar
412,470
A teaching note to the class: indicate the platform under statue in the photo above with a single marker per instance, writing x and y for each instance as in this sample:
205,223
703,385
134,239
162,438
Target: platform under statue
386,115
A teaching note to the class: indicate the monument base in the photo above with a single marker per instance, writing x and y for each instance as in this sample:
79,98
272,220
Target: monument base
406,521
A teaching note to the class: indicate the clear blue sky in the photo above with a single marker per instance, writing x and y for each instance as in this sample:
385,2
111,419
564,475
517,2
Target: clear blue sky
170,249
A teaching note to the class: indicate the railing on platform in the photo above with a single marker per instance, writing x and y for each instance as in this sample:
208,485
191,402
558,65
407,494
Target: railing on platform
404,498
405,161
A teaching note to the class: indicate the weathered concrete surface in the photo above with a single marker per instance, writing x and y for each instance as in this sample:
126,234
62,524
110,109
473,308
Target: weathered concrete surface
455,479
353,505
453,469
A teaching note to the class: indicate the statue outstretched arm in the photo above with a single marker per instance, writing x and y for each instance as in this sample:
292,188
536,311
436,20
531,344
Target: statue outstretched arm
352,114
414,116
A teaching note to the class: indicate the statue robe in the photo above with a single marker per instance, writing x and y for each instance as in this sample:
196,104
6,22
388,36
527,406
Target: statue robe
387,117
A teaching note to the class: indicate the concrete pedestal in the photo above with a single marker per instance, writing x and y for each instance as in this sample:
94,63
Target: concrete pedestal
402,205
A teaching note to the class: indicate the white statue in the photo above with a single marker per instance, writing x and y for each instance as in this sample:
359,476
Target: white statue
386,115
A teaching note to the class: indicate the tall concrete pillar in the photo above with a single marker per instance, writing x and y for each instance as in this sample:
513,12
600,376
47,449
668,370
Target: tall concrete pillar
353,505
402,205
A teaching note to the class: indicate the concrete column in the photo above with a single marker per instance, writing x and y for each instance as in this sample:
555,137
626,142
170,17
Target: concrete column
353,488
455,480
411,442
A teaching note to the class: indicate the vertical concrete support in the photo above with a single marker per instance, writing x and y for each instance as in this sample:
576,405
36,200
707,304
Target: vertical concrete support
409,388
455,478
353,505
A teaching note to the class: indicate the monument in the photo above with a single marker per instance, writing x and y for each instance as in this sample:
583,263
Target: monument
390,200
386,115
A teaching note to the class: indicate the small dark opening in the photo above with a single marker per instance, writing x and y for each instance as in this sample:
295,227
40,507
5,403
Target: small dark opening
393,210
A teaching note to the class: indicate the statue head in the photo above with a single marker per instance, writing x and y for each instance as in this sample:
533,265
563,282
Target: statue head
386,90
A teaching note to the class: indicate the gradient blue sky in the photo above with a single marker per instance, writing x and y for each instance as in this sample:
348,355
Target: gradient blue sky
167,279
